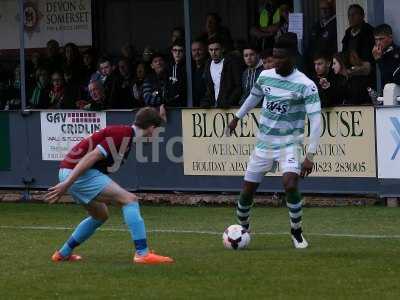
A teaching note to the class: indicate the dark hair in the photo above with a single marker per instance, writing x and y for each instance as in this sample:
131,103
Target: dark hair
104,59
215,40
266,53
342,59
251,46
288,42
156,55
54,42
146,117
124,59
40,58
131,48
383,29
72,45
145,65
291,37
60,74
200,41
179,43
215,16
322,55
90,51
40,71
180,29
127,62
76,54
358,7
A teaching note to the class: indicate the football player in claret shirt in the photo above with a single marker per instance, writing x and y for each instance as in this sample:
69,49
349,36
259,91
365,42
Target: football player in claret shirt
83,174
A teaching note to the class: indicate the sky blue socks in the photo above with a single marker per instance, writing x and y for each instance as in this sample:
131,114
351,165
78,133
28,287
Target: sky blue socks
135,223
82,232
88,226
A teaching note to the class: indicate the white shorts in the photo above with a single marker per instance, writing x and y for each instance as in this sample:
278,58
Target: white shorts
262,162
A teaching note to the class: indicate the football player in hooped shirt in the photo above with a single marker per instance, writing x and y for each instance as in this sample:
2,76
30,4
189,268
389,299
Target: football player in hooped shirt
83,174
288,97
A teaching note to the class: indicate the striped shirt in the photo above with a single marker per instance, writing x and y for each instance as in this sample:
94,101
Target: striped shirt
287,101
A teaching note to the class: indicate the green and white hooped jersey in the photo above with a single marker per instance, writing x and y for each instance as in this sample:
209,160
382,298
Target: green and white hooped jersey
286,102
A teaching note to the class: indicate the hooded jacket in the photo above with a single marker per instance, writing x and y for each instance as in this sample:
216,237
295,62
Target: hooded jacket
177,85
249,77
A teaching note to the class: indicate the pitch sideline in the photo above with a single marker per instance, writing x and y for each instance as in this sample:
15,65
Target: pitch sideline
178,231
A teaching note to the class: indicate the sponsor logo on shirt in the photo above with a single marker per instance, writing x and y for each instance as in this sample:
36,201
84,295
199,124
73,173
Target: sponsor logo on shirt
266,90
277,108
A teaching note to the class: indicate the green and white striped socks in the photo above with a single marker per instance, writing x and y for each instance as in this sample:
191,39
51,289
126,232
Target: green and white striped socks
243,207
294,204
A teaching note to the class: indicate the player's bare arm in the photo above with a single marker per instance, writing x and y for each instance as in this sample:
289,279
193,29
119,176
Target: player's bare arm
84,164
315,132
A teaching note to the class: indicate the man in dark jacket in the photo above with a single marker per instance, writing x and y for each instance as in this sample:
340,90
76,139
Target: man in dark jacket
54,59
323,37
359,36
157,89
199,56
97,97
223,78
155,85
124,85
324,31
214,29
177,75
329,88
386,54
109,79
254,67
40,95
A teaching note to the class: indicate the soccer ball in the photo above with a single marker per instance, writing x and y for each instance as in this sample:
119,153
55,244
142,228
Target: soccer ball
235,237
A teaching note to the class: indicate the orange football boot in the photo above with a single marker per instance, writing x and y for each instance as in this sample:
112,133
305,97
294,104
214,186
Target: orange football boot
152,259
57,257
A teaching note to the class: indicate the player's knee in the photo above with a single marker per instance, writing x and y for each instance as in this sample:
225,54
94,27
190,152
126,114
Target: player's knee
249,188
248,192
106,215
290,183
103,217
100,215
128,198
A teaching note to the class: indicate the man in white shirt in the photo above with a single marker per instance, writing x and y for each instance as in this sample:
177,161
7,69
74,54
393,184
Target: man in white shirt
223,78
216,66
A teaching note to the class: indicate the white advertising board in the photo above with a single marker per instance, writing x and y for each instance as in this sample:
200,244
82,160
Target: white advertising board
63,21
61,130
388,142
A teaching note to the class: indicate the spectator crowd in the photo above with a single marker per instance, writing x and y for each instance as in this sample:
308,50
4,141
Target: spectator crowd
223,70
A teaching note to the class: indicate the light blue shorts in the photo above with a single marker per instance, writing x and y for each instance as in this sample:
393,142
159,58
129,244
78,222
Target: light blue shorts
88,186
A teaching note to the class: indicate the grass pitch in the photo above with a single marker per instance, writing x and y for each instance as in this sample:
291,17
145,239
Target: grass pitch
354,254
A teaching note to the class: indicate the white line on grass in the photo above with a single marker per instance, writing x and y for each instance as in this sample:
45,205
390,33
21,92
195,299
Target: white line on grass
178,231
